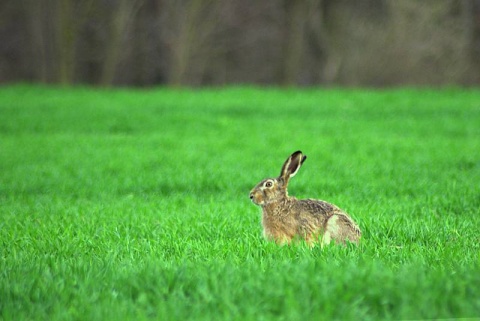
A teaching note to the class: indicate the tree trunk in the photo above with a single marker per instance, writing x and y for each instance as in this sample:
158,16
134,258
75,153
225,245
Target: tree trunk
471,38
38,41
66,34
120,22
294,41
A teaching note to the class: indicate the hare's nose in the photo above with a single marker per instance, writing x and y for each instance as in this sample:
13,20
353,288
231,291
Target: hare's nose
251,196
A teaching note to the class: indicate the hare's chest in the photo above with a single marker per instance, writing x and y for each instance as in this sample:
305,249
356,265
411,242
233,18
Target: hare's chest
278,228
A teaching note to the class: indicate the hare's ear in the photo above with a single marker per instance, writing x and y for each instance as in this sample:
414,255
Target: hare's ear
292,165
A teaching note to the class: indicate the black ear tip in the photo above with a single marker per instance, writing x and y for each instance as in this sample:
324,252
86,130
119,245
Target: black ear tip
298,152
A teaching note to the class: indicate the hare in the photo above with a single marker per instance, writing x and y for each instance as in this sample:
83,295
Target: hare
285,218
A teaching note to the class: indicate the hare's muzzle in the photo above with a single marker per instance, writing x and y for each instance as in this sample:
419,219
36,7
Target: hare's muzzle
254,197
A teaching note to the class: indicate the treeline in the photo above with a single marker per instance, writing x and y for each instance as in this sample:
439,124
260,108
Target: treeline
214,42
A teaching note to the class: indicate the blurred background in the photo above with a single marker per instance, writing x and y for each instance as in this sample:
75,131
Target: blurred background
213,42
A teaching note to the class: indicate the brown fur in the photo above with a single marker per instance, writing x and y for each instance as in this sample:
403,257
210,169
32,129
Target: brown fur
285,218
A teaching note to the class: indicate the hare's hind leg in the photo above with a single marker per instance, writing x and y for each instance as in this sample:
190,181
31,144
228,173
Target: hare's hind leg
331,230
340,229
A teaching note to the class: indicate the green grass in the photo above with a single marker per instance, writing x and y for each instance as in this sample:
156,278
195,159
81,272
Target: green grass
133,204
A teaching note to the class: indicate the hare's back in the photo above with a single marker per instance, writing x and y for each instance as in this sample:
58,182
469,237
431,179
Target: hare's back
318,207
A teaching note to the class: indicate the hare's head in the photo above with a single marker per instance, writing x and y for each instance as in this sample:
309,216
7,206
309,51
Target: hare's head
274,189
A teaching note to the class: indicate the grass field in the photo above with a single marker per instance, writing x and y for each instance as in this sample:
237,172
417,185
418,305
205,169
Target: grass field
133,204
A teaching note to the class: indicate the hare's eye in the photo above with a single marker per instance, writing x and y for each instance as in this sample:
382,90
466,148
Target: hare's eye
268,184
